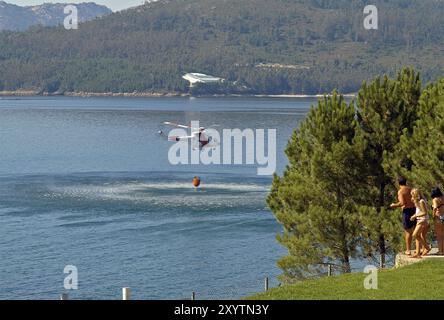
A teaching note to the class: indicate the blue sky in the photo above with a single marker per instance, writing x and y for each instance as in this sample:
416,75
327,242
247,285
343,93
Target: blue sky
112,4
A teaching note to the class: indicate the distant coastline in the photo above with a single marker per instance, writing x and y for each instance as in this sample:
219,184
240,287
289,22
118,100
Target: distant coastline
31,93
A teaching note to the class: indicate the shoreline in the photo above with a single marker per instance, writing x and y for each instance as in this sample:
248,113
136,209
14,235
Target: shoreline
32,93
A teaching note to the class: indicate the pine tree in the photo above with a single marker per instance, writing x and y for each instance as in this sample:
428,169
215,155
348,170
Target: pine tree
385,108
313,200
425,146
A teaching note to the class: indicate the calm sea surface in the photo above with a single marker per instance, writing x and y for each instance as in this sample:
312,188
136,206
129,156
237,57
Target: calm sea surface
87,182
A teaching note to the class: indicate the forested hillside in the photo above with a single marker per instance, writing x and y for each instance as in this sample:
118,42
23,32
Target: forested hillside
260,46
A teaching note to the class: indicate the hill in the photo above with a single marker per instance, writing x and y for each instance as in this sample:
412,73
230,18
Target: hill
259,46
18,18
396,284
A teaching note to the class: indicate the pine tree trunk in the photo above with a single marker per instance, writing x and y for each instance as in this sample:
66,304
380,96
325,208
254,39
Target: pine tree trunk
382,250
381,240
345,252
346,265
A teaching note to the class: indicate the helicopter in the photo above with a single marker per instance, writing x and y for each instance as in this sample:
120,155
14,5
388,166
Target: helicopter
197,134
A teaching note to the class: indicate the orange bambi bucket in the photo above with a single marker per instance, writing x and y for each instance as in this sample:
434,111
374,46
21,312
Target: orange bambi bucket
196,182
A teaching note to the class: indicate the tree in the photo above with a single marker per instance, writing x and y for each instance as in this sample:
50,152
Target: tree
385,108
333,197
313,200
424,147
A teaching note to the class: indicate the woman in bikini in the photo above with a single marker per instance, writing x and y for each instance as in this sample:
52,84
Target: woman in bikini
438,218
422,224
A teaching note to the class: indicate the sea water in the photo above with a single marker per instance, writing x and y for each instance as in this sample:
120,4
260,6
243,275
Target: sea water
87,182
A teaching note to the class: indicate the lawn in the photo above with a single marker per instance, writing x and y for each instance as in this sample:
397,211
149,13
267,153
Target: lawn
423,280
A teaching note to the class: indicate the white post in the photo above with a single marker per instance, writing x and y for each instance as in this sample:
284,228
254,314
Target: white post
266,283
193,296
126,294
64,296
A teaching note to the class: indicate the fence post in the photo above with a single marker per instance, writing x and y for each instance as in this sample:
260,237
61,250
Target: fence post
329,272
193,296
266,283
126,293
64,296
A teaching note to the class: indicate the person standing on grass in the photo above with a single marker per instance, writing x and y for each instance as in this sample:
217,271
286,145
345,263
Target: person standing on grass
438,218
422,223
408,210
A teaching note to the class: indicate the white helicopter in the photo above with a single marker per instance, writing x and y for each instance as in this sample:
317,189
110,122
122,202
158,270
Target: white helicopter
200,134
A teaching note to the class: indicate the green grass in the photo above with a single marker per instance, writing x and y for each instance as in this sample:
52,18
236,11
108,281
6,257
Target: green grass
424,280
